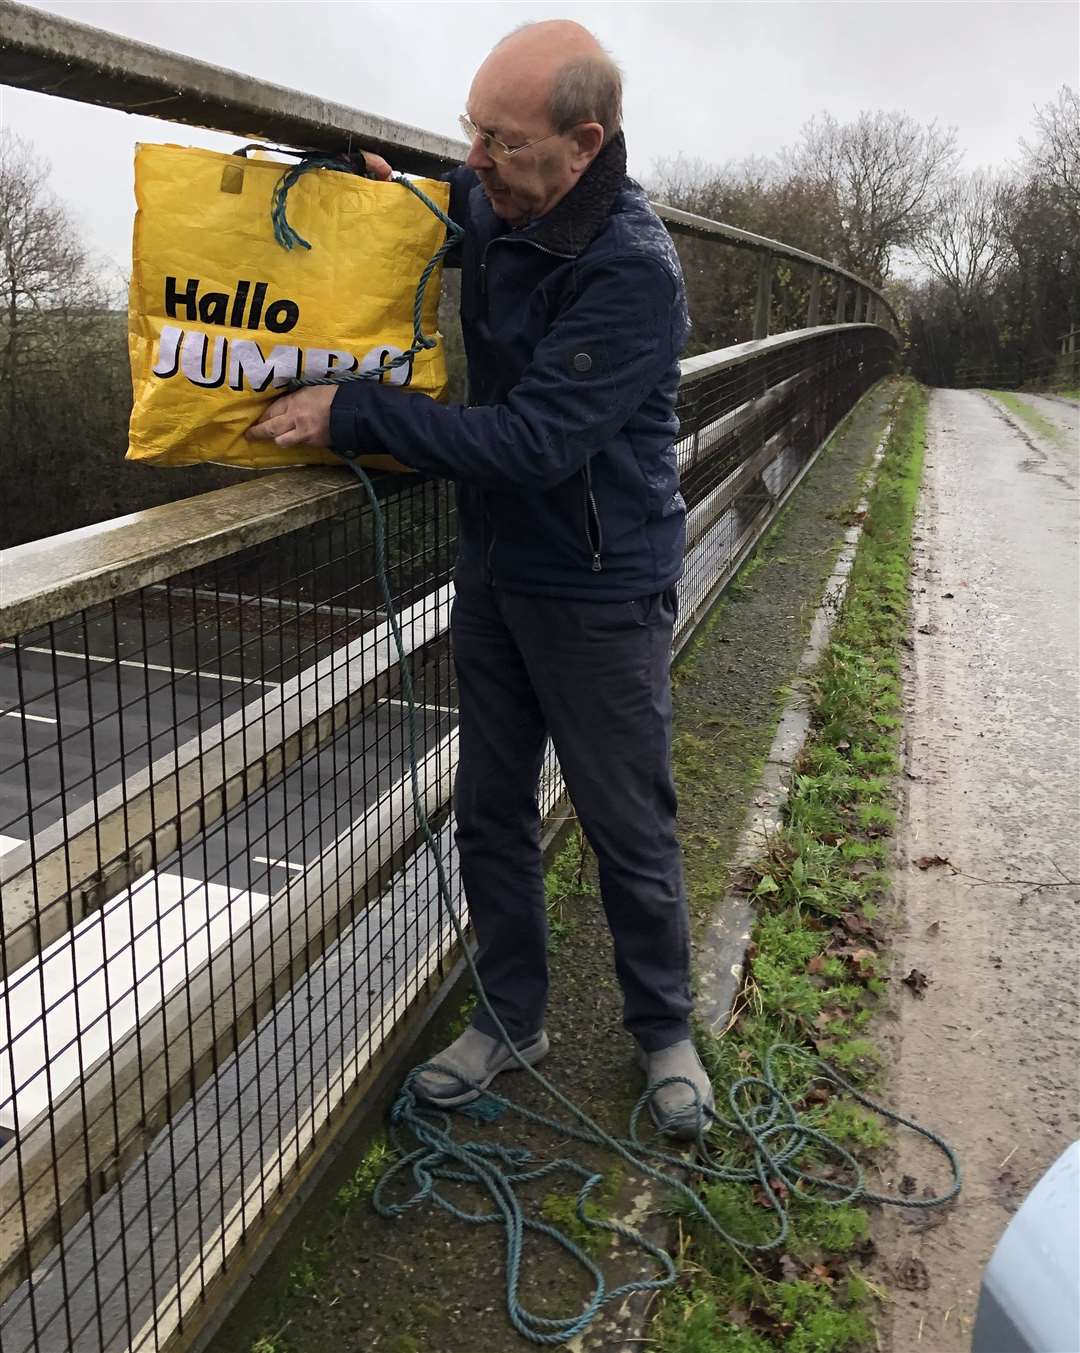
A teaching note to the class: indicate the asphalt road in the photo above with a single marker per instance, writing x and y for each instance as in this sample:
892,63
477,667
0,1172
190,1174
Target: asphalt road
84,707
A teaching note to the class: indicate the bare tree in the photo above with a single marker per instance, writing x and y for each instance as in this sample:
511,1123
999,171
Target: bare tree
1055,156
882,172
49,296
965,242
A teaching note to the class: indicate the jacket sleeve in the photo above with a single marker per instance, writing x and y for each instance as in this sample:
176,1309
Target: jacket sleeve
605,353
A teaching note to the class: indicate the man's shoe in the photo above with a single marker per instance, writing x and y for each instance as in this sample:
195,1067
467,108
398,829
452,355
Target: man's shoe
673,1107
477,1058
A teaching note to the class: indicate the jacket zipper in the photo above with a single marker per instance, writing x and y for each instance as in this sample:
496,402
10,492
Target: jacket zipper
513,239
592,515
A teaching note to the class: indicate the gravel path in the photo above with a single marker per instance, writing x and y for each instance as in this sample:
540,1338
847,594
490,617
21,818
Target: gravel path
989,1055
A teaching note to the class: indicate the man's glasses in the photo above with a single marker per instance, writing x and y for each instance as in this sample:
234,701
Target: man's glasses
493,147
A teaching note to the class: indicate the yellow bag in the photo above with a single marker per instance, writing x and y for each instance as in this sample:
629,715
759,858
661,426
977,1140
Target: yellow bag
221,316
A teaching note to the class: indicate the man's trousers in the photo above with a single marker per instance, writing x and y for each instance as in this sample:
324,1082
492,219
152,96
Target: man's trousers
595,676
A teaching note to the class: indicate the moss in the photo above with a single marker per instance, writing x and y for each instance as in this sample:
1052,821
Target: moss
561,1211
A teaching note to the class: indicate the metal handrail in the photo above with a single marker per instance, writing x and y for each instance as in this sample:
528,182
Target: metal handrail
46,580
687,223
73,60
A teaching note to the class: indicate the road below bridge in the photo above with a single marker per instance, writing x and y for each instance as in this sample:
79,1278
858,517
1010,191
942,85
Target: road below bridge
989,1055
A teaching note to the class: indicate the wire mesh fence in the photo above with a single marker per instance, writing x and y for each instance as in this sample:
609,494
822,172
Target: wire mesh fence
214,909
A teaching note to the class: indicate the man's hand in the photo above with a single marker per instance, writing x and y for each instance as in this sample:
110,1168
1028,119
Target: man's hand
299,419
376,165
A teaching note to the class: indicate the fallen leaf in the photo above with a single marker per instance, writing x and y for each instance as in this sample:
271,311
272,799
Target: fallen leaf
855,924
911,1274
779,1188
770,1325
861,955
818,1094
927,629
929,861
816,964
933,928
1008,1190
790,1271
744,881
908,1185
917,981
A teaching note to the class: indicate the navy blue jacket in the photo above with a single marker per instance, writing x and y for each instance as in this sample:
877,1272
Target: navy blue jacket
564,456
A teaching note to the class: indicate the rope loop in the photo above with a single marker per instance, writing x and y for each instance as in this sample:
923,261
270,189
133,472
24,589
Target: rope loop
289,238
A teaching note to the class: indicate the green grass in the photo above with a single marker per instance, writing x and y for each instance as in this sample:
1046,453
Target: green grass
1029,415
566,878
818,963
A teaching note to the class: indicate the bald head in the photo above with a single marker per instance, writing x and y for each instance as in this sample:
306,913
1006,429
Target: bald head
550,93
558,69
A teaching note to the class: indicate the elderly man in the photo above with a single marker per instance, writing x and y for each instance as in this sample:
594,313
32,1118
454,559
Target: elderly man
571,541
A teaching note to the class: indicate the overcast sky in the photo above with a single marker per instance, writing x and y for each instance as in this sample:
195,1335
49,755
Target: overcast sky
715,81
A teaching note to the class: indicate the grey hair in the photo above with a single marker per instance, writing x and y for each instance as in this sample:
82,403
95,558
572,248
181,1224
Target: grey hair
586,89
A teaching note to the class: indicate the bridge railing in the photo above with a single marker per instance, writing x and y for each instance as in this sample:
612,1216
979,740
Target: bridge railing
74,61
216,922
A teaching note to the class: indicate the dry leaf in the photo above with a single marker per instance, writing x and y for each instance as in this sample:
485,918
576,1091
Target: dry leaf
911,1274
917,981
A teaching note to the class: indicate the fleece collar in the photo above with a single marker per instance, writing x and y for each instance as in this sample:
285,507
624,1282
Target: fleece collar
573,223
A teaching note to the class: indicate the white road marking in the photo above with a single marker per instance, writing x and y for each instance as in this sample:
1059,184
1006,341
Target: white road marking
22,714
281,864
435,709
270,603
89,988
149,666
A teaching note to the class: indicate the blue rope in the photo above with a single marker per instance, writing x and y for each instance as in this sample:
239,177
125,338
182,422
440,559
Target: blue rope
760,1112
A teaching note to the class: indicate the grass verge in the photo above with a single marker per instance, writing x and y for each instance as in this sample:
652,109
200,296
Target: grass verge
818,965
1028,415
